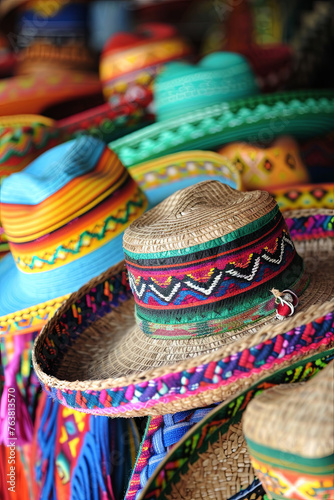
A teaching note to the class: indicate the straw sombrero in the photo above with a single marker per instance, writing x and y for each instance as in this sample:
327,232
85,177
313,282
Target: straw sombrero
209,268
289,432
208,458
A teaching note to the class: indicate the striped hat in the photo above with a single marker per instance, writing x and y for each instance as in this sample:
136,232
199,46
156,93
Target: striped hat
214,275
131,61
64,216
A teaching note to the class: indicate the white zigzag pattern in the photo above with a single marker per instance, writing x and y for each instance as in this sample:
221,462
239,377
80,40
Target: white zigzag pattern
170,296
206,291
279,260
134,287
248,277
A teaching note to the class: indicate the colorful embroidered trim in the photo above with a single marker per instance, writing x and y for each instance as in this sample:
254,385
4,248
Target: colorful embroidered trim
207,285
305,197
31,319
296,485
311,227
157,173
218,326
108,295
185,455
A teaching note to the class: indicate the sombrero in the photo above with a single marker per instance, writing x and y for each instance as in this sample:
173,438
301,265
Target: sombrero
22,139
289,432
63,216
209,268
209,458
30,263
254,119
274,165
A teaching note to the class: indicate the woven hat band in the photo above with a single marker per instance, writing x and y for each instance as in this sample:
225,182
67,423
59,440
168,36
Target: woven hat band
216,282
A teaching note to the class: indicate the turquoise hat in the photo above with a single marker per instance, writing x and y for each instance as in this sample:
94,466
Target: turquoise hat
218,77
215,102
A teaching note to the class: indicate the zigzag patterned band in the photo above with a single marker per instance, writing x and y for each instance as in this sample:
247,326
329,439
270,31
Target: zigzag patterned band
208,284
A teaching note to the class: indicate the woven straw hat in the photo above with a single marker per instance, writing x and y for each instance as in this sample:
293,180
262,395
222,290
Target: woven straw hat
201,266
290,436
202,453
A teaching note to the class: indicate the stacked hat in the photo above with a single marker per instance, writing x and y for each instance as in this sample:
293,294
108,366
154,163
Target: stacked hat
131,61
289,432
213,272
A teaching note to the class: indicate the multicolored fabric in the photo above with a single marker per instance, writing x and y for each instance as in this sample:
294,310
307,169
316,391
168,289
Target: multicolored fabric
161,434
20,382
104,297
279,164
311,226
164,176
78,456
304,196
21,141
218,77
216,424
130,62
203,290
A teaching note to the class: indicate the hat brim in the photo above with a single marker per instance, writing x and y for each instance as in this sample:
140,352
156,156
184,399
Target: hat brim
254,119
26,303
212,455
34,94
106,365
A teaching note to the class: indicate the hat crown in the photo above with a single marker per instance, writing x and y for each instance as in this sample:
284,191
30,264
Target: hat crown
208,253
70,201
306,410
218,77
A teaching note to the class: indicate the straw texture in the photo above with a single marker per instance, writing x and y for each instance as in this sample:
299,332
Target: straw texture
111,353
221,472
298,419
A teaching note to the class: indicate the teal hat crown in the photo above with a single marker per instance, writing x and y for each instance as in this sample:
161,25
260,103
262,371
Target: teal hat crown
218,77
